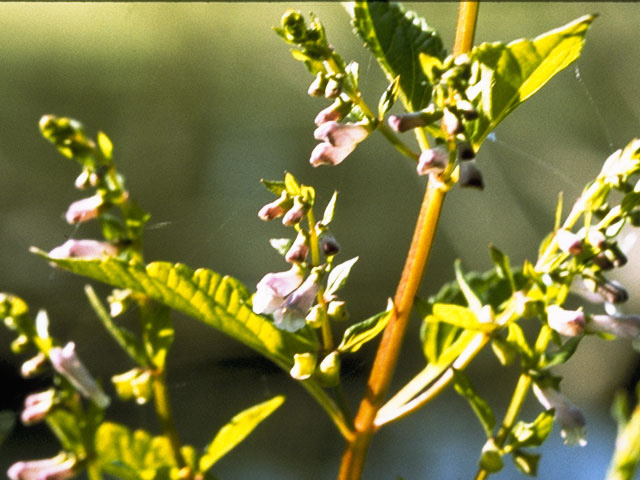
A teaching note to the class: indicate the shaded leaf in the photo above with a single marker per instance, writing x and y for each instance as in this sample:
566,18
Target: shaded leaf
481,408
7,422
532,434
504,76
357,335
526,462
396,37
237,430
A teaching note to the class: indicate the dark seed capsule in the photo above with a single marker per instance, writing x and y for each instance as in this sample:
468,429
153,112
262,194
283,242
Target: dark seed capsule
612,292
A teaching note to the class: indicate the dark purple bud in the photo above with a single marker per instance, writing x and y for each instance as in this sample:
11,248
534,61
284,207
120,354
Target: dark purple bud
616,256
465,151
467,109
603,262
612,292
328,243
470,175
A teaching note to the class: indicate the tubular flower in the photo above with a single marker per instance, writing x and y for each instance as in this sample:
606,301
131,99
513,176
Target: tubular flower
87,249
624,326
291,315
36,406
295,213
85,209
298,251
272,290
339,140
333,113
32,366
566,322
66,363
59,467
408,121
570,418
274,209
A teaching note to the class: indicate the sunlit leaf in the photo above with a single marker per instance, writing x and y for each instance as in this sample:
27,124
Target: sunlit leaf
237,430
396,37
357,335
504,76
532,434
338,276
526,462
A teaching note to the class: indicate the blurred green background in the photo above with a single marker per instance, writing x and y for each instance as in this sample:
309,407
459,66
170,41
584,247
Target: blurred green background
203,100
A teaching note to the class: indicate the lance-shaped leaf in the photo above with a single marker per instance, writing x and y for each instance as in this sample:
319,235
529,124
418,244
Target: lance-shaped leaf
237,430
396,37
338,277
357,335
221,302
483,411
504,76
458,316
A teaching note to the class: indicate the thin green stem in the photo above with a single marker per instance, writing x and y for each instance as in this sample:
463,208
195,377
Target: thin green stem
397,143
165,415
337,415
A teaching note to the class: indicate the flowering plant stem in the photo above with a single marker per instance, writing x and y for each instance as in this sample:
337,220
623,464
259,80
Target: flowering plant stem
391,343
164,412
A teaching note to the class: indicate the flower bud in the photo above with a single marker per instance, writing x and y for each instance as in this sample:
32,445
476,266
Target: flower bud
293,26
470,175
317,87
450,123
296,213
337,311
86,249
135,383
465,151
298,251
59,467
333,88
433,160
569,242
33,366
37,406
570,418
303,366
275,209
612,291
66,363
409,121
316,316
341,134
334,112
329,369
85,209
328,243
616,256
82,181
119,301
566,322
326,154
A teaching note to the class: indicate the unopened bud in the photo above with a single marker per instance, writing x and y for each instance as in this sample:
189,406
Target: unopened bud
298,252
275,209
467,109
317,87
566,322
334,112
433,160
465,151
82,181
614,253
333,88
603,262
328,243
337,311
470,175
329,369
33,366
296,213
304,365
316,316
408,121
612,291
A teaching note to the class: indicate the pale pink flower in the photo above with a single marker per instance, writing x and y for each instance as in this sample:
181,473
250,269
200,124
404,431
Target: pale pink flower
569,242
326,154
291,315
341,134
566,322
66,363
272,290
36,406
433,160
87,249
85,209
59,467
298,251
274,209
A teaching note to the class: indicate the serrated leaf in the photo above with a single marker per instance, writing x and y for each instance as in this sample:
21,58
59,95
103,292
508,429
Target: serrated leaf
338,277
357,335
532,434
388,98
330,209
504,76
397,37
237,430
481,408
221,302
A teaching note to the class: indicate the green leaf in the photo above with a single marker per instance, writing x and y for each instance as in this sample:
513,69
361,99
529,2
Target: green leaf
281,245
396,37
105,145
330,209
526,462
291,184
472,300
133,456
503,268
504,76
221,302
66,427
237,430
517,339
357,335
481,408
338,276
124,337
157,332
459,316
563,354
532,434
274,186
